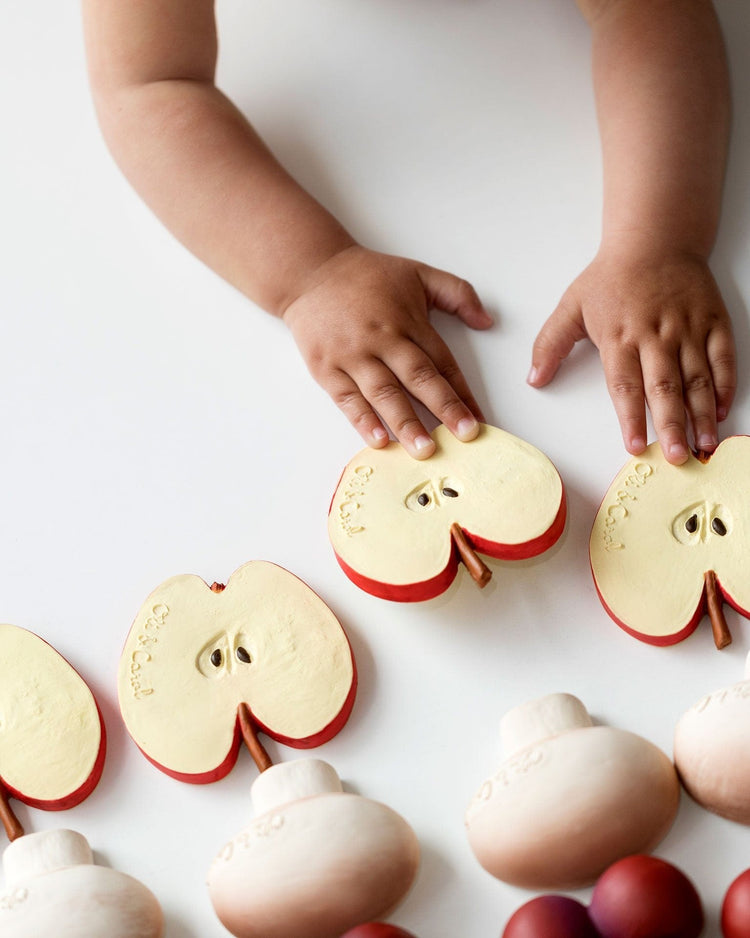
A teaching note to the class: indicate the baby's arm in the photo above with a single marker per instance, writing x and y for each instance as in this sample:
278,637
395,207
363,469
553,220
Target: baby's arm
360,319
648,301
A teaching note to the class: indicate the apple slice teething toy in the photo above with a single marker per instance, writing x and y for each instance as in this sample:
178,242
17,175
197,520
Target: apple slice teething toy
570,797
669,543
399,526
52,745
52,737
204,667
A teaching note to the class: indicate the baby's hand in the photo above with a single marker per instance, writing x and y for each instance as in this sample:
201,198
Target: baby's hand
363,329
665,340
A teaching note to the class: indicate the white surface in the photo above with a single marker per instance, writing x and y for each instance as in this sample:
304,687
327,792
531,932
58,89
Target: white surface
154,423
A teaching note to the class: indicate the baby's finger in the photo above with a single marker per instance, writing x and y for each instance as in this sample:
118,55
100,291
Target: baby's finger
382,390
622,371
446,365
662,380
700,399
350,400
722,361
425,380
453,295
555,341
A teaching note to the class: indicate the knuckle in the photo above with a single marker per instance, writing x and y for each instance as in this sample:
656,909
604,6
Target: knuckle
466,290
665,389
406,426
695,384
451,410
348,400
421,376
384,393
451,372
670,427
624,388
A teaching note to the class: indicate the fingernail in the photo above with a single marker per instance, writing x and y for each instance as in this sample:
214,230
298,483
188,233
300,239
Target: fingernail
721,413
707,441
423,443
467,428
638,445
532,375
379,434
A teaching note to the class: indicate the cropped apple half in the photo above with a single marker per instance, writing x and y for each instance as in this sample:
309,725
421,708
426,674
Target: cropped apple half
670,543
52,737
399,526
205,667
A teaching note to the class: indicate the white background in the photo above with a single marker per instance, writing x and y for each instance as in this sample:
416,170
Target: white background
155,423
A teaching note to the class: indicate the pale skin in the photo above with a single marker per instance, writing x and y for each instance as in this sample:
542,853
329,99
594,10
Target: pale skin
361,319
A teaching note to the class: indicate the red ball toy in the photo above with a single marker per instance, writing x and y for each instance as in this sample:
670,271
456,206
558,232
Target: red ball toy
377,930
645,897
550,917
735,910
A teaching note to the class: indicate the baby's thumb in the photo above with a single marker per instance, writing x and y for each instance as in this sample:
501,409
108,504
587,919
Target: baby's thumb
555,342
453,295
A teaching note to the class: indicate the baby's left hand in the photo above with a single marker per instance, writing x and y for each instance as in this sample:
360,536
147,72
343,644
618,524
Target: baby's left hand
665,339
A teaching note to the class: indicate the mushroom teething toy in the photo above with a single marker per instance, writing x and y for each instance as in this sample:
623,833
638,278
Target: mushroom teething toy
712,750
570,797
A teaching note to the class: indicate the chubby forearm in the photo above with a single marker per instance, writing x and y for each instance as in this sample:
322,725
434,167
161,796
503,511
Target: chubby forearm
194,158
662,95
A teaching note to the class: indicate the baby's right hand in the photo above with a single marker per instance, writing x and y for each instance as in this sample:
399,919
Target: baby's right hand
364,331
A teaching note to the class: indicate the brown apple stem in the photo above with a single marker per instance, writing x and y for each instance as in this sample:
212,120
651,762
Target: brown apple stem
11,823
217,587
480,572
715,603
250,736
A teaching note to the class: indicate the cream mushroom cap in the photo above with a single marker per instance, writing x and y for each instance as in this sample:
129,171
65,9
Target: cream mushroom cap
712,750
317,862
52,887
570,797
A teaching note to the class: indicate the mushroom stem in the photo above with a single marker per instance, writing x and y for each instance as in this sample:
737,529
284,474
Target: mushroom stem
480,572
10,822
250,737
714,603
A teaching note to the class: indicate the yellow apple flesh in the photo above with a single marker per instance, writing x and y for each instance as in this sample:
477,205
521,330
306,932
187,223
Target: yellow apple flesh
52,738
391,516
668,542
195,654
